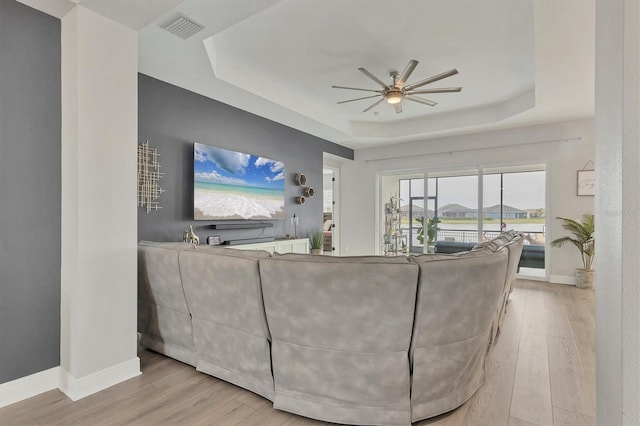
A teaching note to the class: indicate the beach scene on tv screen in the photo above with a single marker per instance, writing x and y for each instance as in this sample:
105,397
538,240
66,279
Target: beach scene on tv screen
234,185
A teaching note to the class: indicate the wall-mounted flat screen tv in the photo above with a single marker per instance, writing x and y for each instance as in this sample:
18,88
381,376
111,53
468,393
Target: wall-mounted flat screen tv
234,185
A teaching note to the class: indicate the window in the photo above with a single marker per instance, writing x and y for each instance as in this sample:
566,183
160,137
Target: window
457,206
515,200
412,210
510,198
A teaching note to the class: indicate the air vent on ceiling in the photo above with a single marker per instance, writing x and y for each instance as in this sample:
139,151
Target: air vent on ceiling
182,26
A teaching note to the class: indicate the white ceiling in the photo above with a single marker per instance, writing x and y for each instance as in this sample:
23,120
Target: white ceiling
520,62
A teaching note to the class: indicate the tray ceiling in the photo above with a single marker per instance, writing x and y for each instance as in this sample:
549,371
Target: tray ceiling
520,62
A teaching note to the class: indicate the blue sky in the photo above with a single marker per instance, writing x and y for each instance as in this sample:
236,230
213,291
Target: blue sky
217,165
525,190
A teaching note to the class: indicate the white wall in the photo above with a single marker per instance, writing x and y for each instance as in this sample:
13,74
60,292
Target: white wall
618,211
99,216
513,146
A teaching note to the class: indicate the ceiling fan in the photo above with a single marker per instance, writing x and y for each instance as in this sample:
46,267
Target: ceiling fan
398,90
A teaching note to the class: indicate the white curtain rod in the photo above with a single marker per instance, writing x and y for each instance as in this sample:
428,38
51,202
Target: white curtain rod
576,138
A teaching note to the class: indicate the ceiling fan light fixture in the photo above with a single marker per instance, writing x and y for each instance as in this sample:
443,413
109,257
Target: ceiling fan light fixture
394,97
398,90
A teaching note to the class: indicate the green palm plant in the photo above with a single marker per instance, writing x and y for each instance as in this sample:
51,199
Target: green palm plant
432,229
583,237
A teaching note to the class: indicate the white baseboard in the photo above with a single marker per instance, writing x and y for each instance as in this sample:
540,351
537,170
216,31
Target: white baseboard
78,388
28,386
531,277
562,279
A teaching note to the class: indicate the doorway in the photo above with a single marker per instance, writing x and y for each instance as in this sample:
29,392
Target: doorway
330,228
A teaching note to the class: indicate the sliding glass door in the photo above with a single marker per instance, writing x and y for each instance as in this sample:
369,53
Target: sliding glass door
514,198
456,205
508,198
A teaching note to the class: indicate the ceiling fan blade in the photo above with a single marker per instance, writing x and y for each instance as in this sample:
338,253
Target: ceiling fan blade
374,105
441,90
373,77
358,99
406,73
421,100
398,107
432,79
355,88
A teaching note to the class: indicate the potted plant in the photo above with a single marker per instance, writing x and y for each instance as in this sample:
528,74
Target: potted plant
316,239
432,229
584,241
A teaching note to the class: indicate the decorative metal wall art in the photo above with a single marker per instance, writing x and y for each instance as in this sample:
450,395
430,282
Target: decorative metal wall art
149,175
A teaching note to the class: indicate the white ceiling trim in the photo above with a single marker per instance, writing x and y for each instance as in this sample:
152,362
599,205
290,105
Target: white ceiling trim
278,59
456,119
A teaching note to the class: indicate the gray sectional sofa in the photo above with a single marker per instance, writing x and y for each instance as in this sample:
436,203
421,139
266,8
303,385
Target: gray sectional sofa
357,340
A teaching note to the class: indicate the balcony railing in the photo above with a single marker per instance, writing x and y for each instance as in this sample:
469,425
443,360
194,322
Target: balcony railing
468,236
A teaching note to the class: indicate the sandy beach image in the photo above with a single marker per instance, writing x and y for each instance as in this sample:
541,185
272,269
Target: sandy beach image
212,201
234,185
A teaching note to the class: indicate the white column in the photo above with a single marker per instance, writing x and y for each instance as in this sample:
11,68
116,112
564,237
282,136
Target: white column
99,224
617,212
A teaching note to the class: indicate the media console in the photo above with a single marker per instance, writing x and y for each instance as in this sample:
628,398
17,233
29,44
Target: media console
300,245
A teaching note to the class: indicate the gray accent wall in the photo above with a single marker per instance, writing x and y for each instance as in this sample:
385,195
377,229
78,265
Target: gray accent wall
172,119
30,148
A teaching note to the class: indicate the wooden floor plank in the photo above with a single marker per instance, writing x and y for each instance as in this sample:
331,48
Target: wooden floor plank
571,418
540,371
557,320
491,404
505,348
26,408
514,421
567,387
531,400
266,416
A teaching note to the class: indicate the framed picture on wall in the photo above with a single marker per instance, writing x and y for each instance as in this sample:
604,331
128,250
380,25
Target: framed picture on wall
586,182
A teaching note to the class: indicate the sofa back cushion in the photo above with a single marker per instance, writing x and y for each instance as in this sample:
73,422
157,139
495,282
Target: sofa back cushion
222,286
226,251
498,242
159,274
163,314
514,247
341,330
458,297
231,336
309,300
341,259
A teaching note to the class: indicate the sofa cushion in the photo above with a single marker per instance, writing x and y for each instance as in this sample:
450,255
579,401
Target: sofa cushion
458,297
164,320
159,279
341,259
169,245
496,243
491,245
226,251
341,330
422,258
222,287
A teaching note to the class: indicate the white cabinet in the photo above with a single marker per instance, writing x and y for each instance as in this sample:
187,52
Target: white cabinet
300,245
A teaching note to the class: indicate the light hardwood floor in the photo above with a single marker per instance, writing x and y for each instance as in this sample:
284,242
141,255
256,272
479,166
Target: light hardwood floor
541,371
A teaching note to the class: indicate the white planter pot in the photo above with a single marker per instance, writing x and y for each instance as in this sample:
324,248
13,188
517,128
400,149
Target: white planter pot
584,278
316,251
